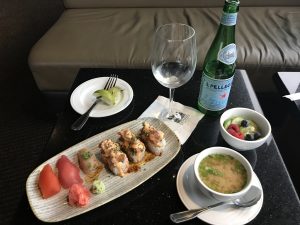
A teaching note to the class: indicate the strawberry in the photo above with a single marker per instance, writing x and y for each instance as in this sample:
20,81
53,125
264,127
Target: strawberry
238,135
234,127
232,132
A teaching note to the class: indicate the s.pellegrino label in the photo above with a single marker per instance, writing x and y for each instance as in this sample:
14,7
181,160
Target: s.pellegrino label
214,93
227,55
228,19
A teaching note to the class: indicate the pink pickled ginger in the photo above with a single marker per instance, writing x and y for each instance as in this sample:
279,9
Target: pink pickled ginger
68,172
78,195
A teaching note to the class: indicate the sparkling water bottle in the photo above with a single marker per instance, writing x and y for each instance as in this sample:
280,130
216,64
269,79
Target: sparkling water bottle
219,64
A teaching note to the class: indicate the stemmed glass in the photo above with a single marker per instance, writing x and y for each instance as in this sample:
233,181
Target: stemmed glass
173,59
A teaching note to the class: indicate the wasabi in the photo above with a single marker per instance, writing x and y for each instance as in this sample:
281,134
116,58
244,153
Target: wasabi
98,187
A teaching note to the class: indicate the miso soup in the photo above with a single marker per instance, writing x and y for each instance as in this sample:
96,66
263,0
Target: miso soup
223,173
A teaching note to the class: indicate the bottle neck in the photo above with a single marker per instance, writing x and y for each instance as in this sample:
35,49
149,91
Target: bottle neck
230,12
226,29
228,19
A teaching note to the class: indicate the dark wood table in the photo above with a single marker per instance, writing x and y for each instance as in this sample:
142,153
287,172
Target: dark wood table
153,201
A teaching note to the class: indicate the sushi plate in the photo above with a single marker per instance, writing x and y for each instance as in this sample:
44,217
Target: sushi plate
56,208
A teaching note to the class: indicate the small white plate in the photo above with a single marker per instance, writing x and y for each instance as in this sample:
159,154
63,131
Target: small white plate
82,97
193,198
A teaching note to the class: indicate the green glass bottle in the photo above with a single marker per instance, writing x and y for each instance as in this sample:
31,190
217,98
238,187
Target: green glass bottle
219,64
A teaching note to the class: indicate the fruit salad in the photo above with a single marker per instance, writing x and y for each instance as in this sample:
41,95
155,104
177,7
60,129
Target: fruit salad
242,128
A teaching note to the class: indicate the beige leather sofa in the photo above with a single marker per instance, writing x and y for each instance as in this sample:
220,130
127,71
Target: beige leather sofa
118,34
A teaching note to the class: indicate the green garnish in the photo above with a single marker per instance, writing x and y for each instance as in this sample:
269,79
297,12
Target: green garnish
98,187
86,155
213,171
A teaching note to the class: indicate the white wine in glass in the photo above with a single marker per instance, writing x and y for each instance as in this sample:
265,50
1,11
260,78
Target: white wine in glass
173,59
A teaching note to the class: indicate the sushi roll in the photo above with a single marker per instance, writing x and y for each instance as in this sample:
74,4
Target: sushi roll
88,162
134,147
112,156
153,138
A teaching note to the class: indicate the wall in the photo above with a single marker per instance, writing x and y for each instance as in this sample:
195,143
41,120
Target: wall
23,134
22,23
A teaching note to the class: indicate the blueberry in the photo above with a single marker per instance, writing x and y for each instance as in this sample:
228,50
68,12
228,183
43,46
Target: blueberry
257,135
244,123
249,137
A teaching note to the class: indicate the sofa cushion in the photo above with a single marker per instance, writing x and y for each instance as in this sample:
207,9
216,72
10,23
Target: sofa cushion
121,37
172,3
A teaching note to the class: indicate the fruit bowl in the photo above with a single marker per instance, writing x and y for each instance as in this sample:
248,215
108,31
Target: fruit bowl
232,131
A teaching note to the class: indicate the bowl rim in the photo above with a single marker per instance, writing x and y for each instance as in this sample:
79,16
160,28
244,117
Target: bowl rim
233,152
266,136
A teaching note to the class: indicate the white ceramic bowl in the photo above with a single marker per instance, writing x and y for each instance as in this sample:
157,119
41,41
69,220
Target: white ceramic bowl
218,195
250,114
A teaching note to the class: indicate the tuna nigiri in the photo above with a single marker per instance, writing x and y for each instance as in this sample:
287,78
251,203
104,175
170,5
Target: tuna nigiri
68,172
48,182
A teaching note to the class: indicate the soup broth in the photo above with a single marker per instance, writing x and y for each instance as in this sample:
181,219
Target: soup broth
223,173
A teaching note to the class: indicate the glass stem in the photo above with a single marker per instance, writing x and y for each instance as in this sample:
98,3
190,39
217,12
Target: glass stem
170,113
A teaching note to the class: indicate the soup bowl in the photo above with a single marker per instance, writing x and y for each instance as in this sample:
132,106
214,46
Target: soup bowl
249,114
209,192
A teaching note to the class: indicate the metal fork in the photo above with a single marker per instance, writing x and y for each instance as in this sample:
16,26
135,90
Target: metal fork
79,123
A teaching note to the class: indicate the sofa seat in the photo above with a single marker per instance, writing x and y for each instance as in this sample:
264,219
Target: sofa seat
267,39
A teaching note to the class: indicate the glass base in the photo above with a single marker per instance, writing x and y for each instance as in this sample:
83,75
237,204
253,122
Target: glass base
173,116
165,115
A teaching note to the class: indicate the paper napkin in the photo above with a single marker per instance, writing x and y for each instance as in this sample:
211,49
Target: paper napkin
293,97
182,128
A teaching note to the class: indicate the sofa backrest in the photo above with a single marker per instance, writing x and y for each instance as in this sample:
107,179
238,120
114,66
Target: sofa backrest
172,3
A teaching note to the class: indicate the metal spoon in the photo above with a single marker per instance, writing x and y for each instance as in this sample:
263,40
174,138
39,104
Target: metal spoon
249,199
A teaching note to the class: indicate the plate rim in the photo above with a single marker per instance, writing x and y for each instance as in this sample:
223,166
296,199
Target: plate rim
84,210
128,87
189,162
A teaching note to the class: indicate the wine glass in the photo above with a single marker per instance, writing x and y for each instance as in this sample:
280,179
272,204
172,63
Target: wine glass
173,59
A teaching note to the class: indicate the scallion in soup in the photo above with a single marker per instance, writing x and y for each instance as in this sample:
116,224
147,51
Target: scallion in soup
223,173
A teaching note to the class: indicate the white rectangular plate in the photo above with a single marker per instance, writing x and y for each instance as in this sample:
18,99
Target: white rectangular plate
56,208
